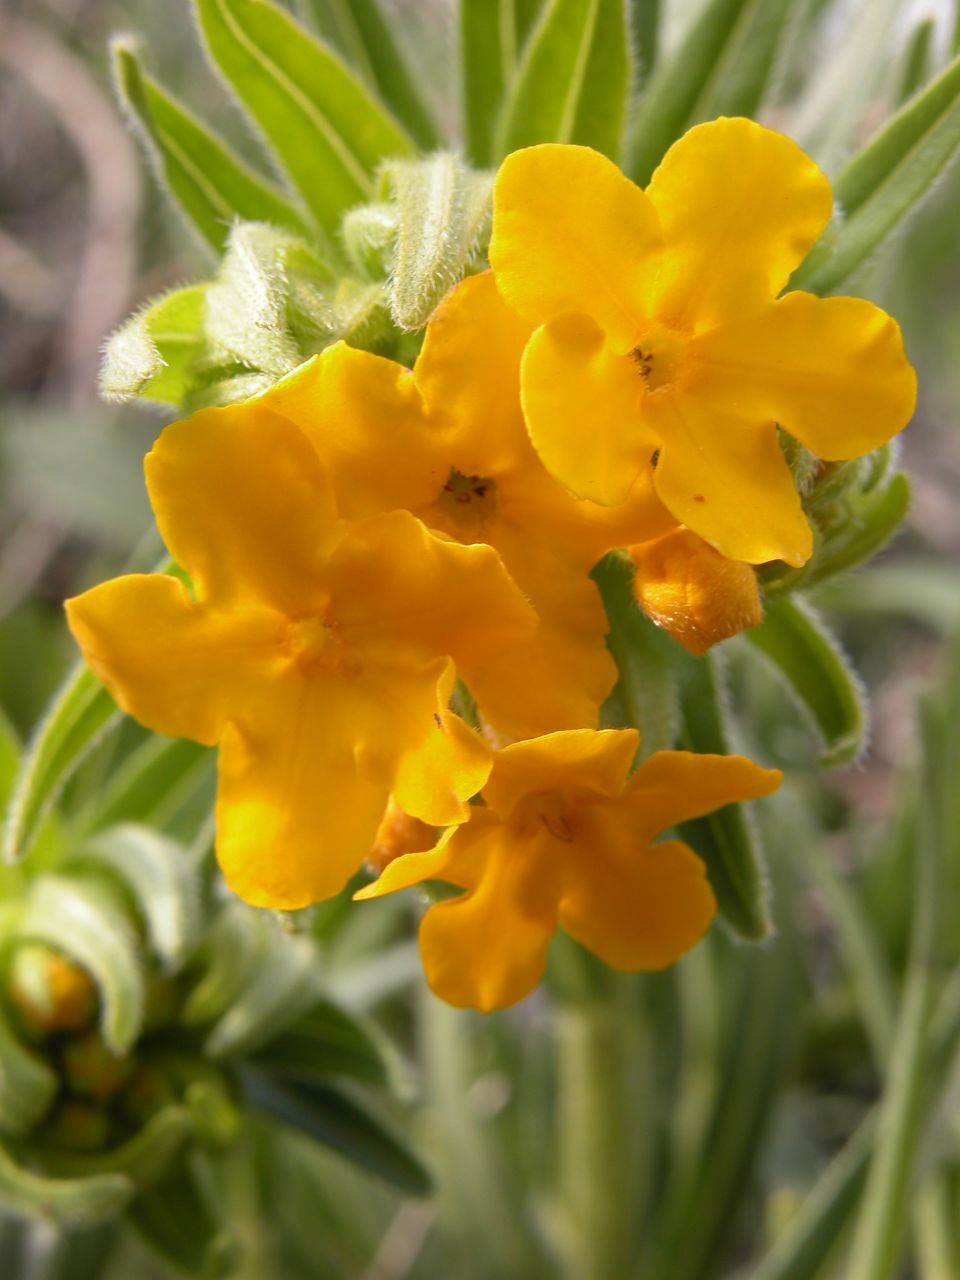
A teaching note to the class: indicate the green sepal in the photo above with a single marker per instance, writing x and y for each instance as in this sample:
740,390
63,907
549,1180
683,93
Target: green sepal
179,1221
361,32
28,1085
646,694
143,1159
211,185
155,353
885,181
81,713
572,82
326,1041
83,922
727,840
161,880
815,670
331,1117
443,211
321,125
66,1201
491,37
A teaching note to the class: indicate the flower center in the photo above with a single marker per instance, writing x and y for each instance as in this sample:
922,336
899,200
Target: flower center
314,644
658,356
544,809
466,504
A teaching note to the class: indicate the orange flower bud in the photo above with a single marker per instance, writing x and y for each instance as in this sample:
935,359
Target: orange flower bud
50,992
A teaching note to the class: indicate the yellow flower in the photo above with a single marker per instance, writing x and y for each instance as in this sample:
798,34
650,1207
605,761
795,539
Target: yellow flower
448,443
565,839
693,592
319,654
661,332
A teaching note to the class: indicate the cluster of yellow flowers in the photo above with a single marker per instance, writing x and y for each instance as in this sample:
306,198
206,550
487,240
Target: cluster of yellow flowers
363,534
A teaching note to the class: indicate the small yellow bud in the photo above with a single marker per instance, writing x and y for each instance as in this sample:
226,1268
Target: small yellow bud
50,992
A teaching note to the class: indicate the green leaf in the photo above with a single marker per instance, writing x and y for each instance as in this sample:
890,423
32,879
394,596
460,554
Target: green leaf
323,127
9,756
491,36
211,185
442,217
572,83
363,35
326,1041
815,670
739,79
669,104
143,1158
81,712
28,1085
178,1220
885,181
916,60
232,948
727,839
161,880
645,18
646,692
155,353
82,922
65,1201
329,1116
145,785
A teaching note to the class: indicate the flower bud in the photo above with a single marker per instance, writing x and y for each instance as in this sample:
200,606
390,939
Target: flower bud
50,992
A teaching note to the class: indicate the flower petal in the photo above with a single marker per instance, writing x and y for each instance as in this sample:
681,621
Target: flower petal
831,371
740,206
368,424
726,478
459,857
637,907
295,815
674,786
582,405
176,666
401,594
468,372
580,760
558,678
244,506
571,233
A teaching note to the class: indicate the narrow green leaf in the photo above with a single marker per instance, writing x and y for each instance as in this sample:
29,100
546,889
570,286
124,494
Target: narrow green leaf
27,1084
143,1158
739,79
231,951
795,641
9,756
727,840
326,1041
161,880
645,34
325,130
65,1201
442,216
916,60
572,83
885,181
179,1222
492,34
669,104
145,785
359,29
79,920
329,1116
646,692
79,715
209,183
155,353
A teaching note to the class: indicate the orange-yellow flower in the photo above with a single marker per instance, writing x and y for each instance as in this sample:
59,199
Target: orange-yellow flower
661,333
319,654
448,443
565,839
693,592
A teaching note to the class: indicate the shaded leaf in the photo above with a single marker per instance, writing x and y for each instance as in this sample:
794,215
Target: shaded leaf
66,1201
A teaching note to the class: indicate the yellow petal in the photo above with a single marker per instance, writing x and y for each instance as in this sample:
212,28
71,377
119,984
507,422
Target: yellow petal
693,592
582,760
397,835
740,206
244,506
368,425
633,905
460,857
401,594
468,372
831,371
571,233
726,478
295,815
674,786
176,666
558,678
582,405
